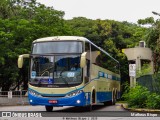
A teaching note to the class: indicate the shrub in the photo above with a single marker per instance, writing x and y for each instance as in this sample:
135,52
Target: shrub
156,83
140,97
136,97
153,101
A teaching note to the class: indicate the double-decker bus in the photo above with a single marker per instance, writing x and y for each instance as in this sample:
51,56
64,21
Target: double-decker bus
71,71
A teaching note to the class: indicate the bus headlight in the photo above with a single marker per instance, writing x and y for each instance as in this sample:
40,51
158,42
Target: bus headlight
34,93
74,93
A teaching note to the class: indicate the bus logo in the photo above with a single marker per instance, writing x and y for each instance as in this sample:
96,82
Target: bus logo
6,114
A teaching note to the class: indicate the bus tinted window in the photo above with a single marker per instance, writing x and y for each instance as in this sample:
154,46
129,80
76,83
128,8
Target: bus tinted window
105,61
57,47
87,46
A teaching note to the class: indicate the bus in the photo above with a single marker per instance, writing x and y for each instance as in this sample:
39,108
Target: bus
71,71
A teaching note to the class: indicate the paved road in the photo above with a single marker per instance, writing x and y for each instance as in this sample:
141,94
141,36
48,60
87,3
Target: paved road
100,112
116,107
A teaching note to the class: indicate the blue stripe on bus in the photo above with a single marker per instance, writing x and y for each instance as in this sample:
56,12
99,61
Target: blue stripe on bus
104,96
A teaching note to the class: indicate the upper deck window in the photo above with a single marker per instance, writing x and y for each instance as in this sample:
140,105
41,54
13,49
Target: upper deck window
57,47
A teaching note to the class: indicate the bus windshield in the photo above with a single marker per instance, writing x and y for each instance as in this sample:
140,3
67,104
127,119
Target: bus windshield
57,47
55,71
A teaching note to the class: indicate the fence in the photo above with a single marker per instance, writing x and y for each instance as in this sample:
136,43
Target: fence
151,82
146,81
13,97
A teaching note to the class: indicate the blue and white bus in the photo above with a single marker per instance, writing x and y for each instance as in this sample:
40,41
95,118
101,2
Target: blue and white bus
71,71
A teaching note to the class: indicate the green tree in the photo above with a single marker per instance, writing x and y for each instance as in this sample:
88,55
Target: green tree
32,20
153,39
22,21
145,70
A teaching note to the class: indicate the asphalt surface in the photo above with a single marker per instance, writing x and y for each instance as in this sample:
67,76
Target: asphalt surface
99,112
101,107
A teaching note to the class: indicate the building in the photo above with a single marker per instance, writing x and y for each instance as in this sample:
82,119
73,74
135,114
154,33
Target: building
137,57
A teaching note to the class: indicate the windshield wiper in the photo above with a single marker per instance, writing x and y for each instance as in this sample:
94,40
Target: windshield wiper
47,69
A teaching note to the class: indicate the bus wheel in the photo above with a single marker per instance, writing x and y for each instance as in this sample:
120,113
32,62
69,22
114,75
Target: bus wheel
114,99
49,108
89,107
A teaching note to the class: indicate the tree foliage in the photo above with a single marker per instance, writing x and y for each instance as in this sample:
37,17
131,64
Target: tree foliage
145,70
22,21
110,35
153,39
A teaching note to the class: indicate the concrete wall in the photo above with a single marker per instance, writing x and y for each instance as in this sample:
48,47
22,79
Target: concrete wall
142,53
137,54
13,101
13,98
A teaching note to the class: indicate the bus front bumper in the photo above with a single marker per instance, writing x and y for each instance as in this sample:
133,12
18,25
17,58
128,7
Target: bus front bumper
77,100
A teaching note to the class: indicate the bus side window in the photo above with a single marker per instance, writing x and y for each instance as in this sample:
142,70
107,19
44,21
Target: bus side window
87,46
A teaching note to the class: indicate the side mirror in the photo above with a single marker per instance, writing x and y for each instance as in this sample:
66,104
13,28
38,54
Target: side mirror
20,60
83,59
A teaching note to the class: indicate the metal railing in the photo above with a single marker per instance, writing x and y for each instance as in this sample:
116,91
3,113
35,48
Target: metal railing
13,97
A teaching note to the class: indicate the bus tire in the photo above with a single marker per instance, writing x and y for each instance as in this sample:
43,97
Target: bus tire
49,108
114,99
113,102
89,107
93,97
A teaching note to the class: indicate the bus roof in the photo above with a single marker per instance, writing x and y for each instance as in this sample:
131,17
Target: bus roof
58,38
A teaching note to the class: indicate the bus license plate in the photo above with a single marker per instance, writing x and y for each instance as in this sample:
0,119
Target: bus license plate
53,101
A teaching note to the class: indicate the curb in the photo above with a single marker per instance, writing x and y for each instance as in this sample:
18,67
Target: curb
125,106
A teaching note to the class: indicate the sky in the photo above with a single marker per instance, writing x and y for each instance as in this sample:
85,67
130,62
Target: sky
119,10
